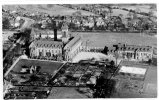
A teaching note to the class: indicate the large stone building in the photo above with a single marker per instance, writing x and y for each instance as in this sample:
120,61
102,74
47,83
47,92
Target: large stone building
134,52
36,34
72,48
46,48
131,52
65,47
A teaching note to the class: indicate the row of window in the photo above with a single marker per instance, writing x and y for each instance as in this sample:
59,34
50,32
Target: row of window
53,51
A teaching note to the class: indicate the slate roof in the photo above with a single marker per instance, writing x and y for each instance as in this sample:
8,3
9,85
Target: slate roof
73,42
136,48
47,43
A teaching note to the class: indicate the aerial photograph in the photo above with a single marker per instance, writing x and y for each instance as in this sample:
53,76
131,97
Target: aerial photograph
79,51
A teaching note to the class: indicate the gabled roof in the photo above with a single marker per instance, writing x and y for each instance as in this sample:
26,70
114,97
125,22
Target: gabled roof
47,43
136,48
72,42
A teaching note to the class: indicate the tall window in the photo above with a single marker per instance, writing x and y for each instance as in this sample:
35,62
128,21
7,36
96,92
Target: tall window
48,54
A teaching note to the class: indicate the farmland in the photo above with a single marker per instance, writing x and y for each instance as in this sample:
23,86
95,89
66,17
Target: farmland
49,9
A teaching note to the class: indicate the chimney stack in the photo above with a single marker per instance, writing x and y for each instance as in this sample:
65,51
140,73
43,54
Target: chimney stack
55,30
55,34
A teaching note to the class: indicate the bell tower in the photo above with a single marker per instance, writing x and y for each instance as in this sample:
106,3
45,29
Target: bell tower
65,34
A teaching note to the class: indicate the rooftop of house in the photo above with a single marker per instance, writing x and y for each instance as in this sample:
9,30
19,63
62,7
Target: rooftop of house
47,43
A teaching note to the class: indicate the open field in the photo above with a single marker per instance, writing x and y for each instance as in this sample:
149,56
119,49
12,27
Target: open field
46,66
151,81
116,12
149,86
65,93
51,9
142,8
108,39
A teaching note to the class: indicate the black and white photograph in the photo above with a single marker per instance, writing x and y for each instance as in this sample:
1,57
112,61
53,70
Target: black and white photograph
79,51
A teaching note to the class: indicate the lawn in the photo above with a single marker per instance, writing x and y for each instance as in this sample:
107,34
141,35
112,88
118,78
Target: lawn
46,66
151,81
108,39
65,93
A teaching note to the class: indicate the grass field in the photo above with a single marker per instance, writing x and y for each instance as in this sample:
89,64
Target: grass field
46,66
116,12
109,39
65,93
51,9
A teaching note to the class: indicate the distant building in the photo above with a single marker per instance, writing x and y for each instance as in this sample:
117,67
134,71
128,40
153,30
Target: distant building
35,34
134,52
131,52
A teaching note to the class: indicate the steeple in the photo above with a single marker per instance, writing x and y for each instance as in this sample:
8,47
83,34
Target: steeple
65,34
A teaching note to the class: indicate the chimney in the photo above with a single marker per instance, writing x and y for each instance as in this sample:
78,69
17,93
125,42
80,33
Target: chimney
55,34
55,30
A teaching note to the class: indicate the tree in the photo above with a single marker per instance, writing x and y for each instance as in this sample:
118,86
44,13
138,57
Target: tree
149,61
5,23
112,63
121,16
105,51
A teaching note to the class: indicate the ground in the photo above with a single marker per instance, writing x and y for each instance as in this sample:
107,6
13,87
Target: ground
149,86
65,93
46,66
151,81
90,55
98,39
7,34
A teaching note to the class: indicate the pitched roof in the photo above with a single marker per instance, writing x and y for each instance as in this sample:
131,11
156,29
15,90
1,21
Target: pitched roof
47,43
136,47
73,42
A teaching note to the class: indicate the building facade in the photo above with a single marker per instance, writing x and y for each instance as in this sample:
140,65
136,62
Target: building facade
46,48
134,52
131,52
72,48
36,34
